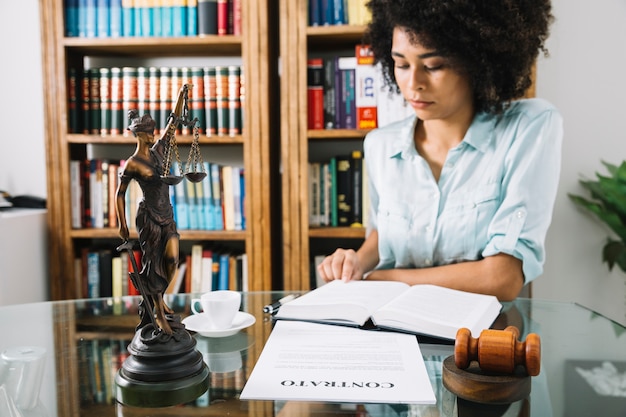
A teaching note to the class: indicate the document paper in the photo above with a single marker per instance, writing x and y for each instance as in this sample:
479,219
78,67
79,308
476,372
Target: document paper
320,362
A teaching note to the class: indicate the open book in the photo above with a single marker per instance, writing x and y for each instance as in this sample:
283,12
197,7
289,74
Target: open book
420,309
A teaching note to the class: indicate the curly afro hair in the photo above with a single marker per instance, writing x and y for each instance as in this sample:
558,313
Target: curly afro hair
494,42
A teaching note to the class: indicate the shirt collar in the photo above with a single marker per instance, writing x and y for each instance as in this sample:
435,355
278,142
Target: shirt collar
479,135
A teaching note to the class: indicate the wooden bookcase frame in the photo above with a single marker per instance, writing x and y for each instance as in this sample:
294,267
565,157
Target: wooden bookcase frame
256,46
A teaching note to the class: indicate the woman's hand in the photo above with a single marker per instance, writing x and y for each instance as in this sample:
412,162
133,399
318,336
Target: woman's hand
343,264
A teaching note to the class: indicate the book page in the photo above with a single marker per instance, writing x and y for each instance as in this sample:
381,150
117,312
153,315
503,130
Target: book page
438,311
316,362
338,301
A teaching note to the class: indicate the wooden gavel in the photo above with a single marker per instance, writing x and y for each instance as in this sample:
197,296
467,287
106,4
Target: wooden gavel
498,350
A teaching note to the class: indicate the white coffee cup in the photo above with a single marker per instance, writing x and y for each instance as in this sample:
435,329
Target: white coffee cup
219,307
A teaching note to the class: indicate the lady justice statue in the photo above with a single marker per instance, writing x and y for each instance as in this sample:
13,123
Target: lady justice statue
163,368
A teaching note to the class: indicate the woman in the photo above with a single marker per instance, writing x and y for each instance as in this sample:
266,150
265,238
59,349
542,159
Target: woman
461,193
158,236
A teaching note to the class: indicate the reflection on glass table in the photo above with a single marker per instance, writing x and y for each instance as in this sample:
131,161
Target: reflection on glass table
583,362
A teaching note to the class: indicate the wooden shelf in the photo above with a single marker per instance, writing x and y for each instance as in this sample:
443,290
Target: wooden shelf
333,134
130,140
337,232
149,46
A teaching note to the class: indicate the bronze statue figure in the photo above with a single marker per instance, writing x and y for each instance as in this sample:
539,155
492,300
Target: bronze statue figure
158,237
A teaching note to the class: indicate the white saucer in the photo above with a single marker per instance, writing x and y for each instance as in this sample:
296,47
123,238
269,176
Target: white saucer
197,323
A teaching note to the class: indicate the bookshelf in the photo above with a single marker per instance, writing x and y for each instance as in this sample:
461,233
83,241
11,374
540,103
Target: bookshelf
298,41
253,149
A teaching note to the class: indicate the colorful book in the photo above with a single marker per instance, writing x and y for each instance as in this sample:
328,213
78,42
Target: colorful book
330,91
344,191
315,93
216,185
76,205
207,206
71,18
73,94
356,171
365,88
347,68
182,207
234,101
91,18
192,17
222,17
105,101
196,98
116,20
128,18
179,18
167,17
210,101
118,117
103,16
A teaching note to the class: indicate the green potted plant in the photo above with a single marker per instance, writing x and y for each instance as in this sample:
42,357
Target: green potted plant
608,203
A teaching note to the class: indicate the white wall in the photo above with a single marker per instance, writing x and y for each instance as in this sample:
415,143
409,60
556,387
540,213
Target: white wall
584,78
22,151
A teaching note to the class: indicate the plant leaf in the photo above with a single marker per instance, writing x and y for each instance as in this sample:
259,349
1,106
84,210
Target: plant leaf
609,218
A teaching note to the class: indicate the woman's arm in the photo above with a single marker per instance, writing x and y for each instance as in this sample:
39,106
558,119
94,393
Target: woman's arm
500,275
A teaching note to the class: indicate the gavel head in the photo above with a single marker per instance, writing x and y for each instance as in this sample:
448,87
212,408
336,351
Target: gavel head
498,351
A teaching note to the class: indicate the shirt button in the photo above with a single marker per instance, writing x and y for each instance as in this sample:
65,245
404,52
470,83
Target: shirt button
429,228
520,214
428,262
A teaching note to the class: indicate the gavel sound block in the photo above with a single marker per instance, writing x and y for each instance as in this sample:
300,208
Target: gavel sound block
494,368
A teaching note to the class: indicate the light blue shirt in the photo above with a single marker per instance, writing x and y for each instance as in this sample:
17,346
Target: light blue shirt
495,193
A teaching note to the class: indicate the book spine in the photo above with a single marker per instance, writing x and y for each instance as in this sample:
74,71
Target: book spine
91,23
347,67
339,13
217,196
71,18
227,197
117,115
154,91
103,14
222,17
179,21
167,18
315,93
155,14
76,193
208,199
105,101
94,101
210,101
334,221
223,272
105,165
234,101
128,18
221,99
93,274
315,13
73,93
182,208
115,19
196,98
129,93
192,17
356,170
105,272
237,17
207,17
165,95
365,88
339,113
199,192
330,107
86,193
85,102
344,191
327,12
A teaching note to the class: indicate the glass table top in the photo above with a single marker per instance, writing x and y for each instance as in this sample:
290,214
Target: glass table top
72,350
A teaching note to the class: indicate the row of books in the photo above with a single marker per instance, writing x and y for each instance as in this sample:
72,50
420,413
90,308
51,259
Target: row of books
215,203
99,361
347,92
100,98
151,18
338,12
337,195
104,272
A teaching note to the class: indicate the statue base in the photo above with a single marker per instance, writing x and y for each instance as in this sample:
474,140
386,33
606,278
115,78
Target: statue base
162,370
